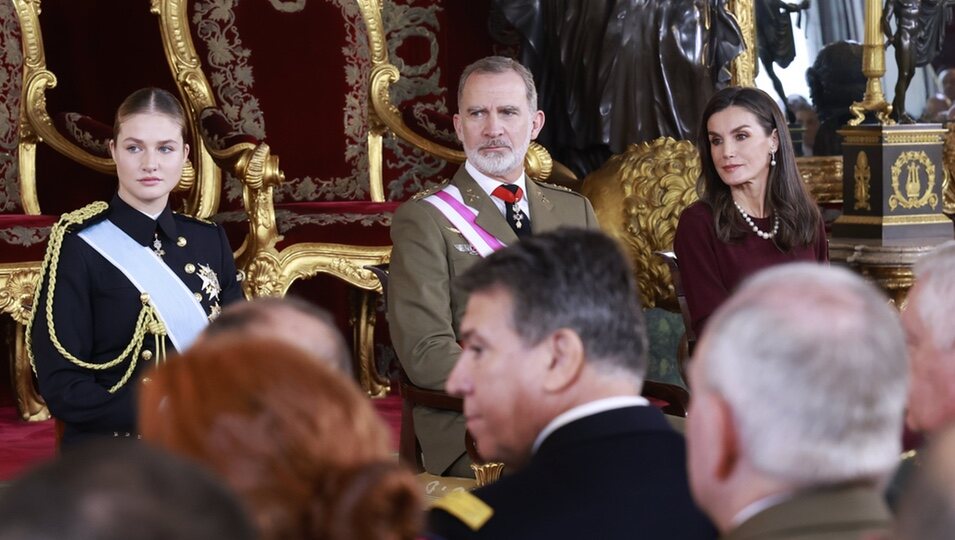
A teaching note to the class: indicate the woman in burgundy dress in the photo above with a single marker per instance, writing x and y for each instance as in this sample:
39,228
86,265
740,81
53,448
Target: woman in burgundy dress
754,210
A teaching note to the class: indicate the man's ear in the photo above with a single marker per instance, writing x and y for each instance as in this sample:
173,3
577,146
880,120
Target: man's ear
458,129
537,123
566,360
727,440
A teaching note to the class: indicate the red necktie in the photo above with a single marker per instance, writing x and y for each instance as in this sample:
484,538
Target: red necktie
511,195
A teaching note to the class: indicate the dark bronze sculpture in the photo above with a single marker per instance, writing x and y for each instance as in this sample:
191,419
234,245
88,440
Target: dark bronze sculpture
835,82
774,40
918,38
615,72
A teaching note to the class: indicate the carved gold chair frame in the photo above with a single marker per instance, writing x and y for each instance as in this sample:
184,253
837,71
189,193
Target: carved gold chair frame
268,271
384,116
18,280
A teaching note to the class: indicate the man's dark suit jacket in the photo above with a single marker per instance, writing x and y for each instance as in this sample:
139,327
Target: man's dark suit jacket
615,474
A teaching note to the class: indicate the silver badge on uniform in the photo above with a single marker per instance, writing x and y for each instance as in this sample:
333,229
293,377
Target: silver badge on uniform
210,282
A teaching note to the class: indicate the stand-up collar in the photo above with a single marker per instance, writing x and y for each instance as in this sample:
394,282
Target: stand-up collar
138,225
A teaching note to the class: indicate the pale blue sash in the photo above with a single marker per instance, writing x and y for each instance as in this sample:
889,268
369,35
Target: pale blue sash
174,302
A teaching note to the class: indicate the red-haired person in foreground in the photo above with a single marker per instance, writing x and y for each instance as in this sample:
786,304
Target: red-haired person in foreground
299,442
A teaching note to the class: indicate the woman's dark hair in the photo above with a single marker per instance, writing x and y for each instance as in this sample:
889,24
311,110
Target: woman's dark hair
150,100
786,195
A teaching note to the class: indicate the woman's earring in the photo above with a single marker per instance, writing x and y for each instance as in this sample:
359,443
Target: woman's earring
772,158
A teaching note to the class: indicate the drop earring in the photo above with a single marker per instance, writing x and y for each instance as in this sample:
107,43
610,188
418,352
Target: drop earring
772,158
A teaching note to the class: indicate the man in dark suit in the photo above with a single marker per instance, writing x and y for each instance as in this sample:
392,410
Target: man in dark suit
433,243
554,355
798,396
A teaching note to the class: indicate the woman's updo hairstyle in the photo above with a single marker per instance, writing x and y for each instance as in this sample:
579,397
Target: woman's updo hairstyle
150,100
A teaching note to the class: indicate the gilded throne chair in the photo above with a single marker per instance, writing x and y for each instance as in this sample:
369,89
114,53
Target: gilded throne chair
55,159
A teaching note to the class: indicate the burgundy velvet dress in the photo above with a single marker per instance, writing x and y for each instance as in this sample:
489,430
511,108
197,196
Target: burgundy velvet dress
712,269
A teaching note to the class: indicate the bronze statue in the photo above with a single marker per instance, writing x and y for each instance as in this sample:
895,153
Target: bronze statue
918,38
835,82
616,72
774,40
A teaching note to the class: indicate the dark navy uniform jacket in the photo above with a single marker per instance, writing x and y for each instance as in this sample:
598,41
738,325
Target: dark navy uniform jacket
95,308
615,474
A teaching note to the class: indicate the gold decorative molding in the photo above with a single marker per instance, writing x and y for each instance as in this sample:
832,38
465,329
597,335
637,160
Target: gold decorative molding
638,197
863,179
911,219
913,161
17,284
948,157
197,95
744,66
823,176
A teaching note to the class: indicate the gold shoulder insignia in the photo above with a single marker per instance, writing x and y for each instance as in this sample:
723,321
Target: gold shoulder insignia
88,212
471,510
430,191
555,186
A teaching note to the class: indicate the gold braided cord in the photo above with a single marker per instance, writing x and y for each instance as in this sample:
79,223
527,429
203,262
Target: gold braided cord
147,322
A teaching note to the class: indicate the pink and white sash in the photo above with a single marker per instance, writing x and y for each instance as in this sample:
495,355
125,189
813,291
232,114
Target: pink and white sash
449,202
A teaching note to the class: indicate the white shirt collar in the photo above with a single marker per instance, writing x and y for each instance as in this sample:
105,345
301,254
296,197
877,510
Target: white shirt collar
758,506
587,409
488,184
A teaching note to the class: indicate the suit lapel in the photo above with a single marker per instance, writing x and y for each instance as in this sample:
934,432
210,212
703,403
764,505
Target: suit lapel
543,216
488,216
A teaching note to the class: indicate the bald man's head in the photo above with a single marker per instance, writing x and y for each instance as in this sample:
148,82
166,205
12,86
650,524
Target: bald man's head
289,319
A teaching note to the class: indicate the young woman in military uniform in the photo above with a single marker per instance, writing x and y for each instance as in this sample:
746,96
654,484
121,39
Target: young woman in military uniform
125,284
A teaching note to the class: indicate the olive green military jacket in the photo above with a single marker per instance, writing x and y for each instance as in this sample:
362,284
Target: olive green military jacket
424,305
837,513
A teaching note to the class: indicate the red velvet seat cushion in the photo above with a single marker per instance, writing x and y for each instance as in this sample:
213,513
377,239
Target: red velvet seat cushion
23,237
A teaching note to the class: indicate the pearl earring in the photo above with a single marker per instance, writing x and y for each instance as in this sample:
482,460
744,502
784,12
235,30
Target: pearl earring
772,158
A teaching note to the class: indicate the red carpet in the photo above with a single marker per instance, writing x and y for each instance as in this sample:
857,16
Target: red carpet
23,444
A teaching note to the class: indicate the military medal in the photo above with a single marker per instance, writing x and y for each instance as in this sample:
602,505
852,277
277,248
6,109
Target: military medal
210,282
214,311
157,245
518,215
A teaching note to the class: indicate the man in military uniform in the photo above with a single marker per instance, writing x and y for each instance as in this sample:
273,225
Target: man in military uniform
798,395
438,235
554,357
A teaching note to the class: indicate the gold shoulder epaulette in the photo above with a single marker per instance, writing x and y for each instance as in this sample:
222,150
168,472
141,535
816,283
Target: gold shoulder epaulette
555,186
81,215
471,510
430,191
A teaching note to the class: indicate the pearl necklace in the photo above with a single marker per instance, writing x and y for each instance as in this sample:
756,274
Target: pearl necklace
760,233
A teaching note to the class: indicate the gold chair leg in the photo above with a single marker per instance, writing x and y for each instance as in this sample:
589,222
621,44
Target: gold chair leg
30,405
371,380
487,473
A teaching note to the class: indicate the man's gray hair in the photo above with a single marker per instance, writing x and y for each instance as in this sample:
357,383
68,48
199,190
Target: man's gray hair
812,362
935,274
500,64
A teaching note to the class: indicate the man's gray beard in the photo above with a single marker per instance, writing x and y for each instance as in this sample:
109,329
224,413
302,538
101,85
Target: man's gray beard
497,164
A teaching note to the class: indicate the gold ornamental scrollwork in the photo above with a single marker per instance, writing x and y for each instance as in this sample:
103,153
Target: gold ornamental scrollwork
262,277
17,285
863,178
744,66
638,197
913,197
